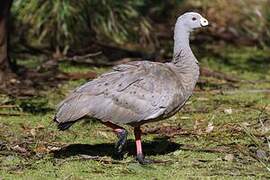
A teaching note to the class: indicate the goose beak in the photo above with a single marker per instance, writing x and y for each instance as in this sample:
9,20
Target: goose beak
204,22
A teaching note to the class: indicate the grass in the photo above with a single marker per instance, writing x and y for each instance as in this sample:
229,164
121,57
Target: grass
217,135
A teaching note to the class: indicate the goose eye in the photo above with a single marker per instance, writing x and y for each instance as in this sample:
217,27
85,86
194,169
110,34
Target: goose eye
194,19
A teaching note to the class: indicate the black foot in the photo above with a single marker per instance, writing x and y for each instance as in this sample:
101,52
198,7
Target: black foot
140,158
121,144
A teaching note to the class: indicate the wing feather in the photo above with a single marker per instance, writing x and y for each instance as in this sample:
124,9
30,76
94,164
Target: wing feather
131,93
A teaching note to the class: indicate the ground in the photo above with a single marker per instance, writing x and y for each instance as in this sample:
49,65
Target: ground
221,133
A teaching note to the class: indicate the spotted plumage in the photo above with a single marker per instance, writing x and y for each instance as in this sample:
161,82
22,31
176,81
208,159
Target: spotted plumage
138,92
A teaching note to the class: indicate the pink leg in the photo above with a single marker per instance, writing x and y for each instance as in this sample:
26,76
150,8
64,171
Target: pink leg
117,129
140,156
138,133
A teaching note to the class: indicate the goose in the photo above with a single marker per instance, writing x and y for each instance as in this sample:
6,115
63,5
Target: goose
138,92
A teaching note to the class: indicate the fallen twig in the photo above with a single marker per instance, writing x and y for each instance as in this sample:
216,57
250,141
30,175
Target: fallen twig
83,57
95,158
9,106
219,75
247,91
221,149
13,114
86,59
76,76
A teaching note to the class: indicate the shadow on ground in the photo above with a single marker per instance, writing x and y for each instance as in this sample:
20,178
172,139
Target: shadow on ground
159,146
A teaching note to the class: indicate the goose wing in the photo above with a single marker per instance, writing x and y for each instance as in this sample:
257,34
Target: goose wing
129,94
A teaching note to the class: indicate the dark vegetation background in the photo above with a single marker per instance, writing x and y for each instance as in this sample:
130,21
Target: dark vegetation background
104,33
47,48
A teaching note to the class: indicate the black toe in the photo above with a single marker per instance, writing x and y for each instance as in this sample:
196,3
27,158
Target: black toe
141,159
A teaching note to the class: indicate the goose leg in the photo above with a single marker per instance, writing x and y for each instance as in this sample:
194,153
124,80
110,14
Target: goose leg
122,136
140,157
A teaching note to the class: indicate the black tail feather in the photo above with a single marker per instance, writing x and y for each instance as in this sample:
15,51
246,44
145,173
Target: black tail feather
65,125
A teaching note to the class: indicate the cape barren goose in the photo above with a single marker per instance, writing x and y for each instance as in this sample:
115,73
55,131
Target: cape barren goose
138,92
